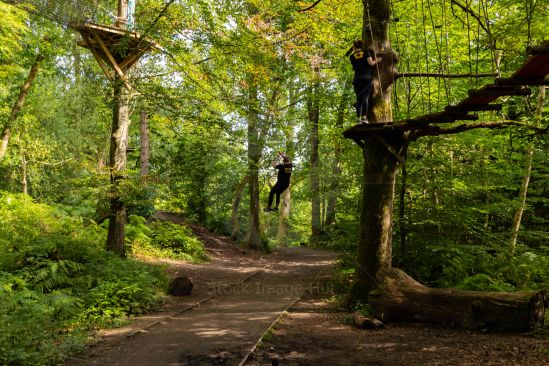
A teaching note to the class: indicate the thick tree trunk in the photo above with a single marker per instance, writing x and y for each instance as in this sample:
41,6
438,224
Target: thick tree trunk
376,221
401,298
25,88
235,225
144,137
313,109
117,164
526,177
253,235
380,165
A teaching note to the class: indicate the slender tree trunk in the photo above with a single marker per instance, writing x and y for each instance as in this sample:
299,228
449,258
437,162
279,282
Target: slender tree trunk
313,109
24,182
117,164
403,228
235,232
526,177
144,136
253,235
25,88
333,183
285,204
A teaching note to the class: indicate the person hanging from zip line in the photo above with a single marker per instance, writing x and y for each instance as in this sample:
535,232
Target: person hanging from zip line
282,182
363,60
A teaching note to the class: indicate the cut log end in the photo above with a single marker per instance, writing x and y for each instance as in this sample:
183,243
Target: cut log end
366,323
181,286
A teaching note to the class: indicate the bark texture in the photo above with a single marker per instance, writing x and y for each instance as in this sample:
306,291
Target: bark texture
145,145
401,298
117,165
253,235
376,222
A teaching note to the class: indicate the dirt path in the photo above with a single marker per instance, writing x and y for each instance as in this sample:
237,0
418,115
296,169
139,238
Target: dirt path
231,317
313,333
240,295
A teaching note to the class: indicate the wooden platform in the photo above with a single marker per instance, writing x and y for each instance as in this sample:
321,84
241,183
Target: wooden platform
534,71
115,49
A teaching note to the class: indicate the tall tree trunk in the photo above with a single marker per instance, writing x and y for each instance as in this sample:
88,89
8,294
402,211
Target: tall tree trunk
380,166
253,235
403,228
333,183
313,109
25,88
117,164
235,225
527,173
284,213
376,221
144,137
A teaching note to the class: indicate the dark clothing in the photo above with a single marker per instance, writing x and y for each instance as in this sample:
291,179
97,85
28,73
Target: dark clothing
284,172
362,80
361,67
282,182
363,88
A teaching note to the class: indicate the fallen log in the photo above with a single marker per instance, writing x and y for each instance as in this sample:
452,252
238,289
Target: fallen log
401,298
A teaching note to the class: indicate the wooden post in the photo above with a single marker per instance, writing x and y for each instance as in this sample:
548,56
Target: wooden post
122,21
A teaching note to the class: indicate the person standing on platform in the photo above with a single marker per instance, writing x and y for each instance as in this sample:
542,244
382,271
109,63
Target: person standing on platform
363,60
283,180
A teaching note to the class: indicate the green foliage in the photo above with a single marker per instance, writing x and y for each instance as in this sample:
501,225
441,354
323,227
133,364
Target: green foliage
56,282
164,239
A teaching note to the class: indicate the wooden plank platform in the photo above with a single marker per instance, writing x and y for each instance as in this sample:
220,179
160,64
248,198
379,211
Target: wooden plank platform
115,49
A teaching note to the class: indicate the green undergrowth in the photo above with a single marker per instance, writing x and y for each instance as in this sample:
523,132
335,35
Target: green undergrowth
57,283
163,239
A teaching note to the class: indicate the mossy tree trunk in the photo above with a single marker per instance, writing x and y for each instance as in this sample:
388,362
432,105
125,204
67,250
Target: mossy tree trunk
380,165
117,164
376,221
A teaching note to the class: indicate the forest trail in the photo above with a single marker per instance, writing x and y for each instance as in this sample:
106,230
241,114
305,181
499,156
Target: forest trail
235,299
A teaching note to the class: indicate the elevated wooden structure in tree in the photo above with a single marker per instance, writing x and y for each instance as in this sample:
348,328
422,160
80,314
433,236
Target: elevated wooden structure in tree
115,49
394,295
533,72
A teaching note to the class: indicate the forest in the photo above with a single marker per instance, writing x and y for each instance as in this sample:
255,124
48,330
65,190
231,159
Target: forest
95,149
